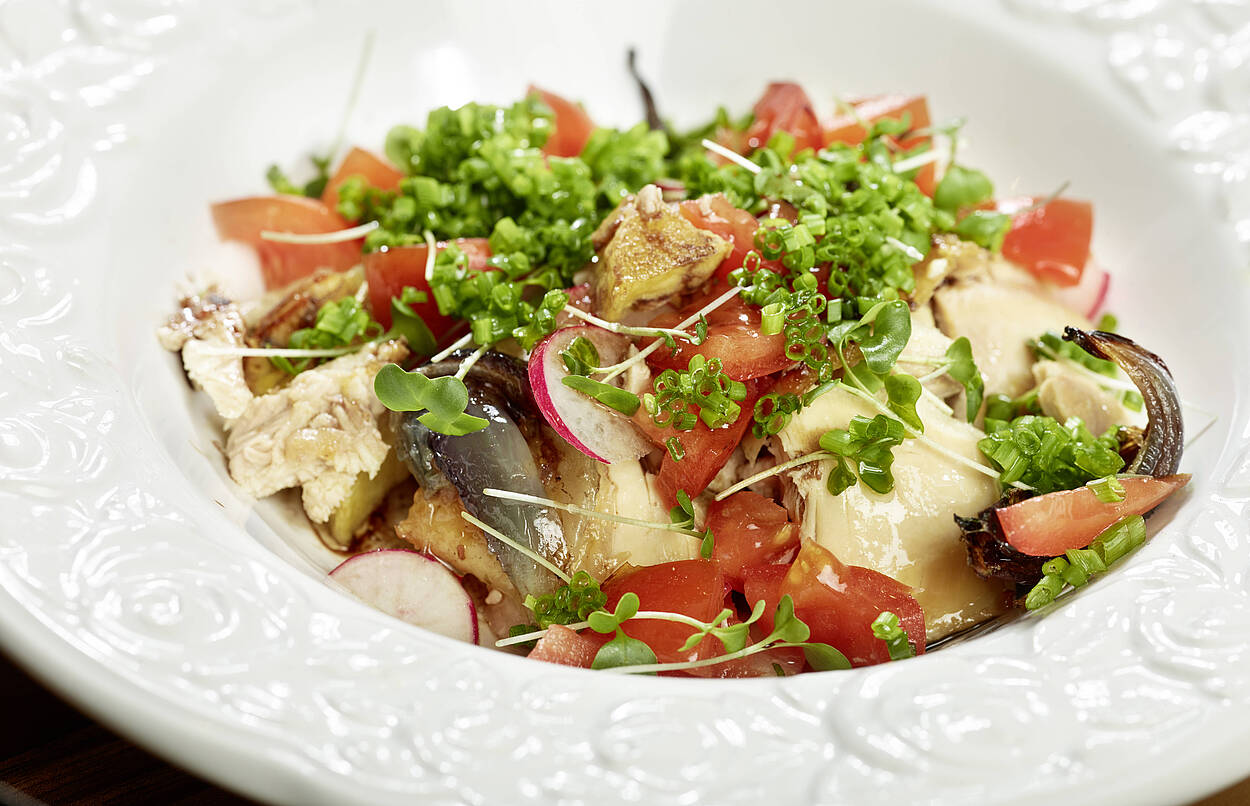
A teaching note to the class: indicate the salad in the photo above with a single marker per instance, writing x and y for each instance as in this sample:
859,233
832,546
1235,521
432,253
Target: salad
787,392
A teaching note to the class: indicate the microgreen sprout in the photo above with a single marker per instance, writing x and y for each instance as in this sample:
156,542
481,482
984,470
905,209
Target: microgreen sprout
443,400
686,528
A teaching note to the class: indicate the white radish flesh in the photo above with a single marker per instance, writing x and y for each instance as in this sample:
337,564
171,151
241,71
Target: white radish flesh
1088,296
413,588
587,425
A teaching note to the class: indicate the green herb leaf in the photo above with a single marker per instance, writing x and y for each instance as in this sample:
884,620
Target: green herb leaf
1047,456
408,323
891,330
787,626
962,187
824,658
623,651
611,396
443,399
581,357
707,546
984,228
904,391
964,370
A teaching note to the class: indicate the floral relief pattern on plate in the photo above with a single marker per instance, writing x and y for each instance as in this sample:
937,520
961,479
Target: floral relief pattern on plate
209,625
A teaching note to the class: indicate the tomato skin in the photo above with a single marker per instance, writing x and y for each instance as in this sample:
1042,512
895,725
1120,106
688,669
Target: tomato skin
839,602
706,451
283,263
389,270
1048,525
763,583
715,214
785,107
733,336
748,531
572,125
846,129
567,647
1052,241
694,588
373,169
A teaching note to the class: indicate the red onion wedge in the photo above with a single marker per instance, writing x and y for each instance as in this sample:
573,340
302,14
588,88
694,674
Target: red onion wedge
413,588
592,428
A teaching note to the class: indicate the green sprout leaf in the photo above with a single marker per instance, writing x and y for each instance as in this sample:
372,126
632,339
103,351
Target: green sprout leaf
787,626
581,357
964,370
891,329
962,187
408,323
984,228
623,651
904,392
824,658
442,399
611,396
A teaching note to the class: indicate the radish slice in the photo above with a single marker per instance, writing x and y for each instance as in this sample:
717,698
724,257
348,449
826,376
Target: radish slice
1088,296
592,428
413,588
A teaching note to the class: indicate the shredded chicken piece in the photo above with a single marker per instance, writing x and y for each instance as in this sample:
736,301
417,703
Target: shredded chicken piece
203,323
318,431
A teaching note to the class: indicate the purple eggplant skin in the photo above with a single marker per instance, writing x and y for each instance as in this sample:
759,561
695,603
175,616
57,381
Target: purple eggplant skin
1163,440
498,456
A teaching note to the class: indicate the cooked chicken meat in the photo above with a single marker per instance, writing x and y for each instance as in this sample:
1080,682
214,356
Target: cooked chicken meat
1063,392
999,307
318,431
910,533
202,324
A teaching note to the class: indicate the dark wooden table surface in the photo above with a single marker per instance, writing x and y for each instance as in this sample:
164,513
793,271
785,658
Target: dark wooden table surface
51,755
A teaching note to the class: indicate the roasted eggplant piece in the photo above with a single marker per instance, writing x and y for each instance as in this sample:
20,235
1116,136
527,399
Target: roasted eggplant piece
498,456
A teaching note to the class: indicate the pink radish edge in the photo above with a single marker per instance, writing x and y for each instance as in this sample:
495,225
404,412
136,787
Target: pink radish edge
603,435
412,587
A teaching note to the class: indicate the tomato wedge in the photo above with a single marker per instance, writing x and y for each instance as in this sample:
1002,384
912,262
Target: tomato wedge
572,126
785,107
373,169
715,214
846,129
566,647
283,263
1048,525
706,451
1051,241
733,336
839,602
748,531
694,588
388,271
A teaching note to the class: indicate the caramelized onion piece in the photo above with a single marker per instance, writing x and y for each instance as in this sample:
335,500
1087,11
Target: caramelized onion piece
1164,437
989,553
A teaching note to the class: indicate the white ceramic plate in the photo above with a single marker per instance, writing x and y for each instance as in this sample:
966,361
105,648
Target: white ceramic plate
137,582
